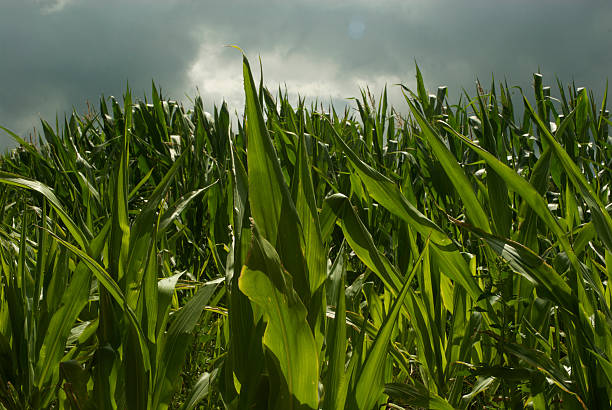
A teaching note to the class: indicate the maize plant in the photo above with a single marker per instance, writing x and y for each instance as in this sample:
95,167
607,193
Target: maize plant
432,255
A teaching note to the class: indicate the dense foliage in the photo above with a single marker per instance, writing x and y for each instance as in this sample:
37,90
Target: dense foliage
455,257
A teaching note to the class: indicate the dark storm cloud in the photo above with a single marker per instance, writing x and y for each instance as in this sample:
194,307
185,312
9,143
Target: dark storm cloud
59,53
53,59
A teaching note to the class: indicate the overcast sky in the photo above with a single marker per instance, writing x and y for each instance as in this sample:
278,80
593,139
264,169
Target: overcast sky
59,54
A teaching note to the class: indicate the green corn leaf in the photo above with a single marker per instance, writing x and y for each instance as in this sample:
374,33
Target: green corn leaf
362,243
114,291
165,291
161,124
179,206
140,231
313,250
520,186
417,395
529,265
22,143
370,382
601,217
73,301
481,385
388,195
22,182
245,361
119,245
137,379
74,374
201,390
543,364
605,364
531,196
287,336
454,172
539,180
422,93
171,353
269,197
306,206
335,382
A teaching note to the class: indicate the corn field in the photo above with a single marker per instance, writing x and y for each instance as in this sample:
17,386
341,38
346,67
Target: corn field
453,256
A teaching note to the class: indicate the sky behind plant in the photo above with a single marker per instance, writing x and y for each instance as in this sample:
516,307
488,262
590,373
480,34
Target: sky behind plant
56,55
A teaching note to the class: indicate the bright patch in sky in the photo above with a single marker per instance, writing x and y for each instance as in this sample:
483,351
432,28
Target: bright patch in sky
52,6
356,28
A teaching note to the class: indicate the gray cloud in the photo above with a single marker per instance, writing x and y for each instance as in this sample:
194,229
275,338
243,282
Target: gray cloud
60,53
